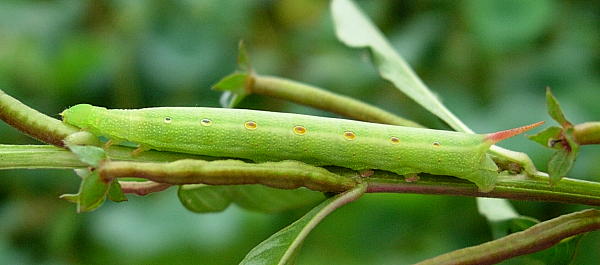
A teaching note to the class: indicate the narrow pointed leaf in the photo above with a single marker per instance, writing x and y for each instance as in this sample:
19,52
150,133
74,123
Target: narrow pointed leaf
546,136
284,245
354,29
234,88
499,214
555,111
559,165
243,59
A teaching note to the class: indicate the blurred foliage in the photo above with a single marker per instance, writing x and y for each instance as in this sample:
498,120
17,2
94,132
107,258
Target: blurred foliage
489,61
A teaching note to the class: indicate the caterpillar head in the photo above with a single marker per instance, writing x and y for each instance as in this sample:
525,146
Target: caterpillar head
78,115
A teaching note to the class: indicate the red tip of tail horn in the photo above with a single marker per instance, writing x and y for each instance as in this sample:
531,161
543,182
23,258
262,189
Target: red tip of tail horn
501,135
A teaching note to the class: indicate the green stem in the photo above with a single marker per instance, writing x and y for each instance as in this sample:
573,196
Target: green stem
32,122
47,156
321,99
284,174
514,187
587,133
536,238
287,174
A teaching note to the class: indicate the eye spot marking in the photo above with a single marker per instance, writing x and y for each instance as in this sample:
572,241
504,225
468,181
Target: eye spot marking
437,144
394,140
349,135
206,122
250,125
299,130
168,120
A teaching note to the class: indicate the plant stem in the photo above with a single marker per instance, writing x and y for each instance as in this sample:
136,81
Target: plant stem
284,174
587,133
321,99
535,238
514,187
47,156
32,122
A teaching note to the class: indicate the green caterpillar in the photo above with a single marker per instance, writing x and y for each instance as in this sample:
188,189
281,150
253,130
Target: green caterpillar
271,136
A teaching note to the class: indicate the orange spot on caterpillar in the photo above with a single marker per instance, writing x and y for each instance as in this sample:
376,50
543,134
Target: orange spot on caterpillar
250,125
349,135
299,130
206,122
395,140
437,144
501,135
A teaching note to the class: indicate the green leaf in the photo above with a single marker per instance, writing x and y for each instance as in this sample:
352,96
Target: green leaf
354,29
499,214
92,192
555,111
546,136
283,246
234,88
115,193
559,165
88,154
202,198
243,59
561,254
270,200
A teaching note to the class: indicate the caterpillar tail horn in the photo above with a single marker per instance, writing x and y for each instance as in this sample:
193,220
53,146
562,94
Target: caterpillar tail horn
501,135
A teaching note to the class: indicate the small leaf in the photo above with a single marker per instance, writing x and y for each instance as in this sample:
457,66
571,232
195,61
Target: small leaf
202,198
271,200
499,214
243,59
234,88
559,165
92,192
115,193
546,136
91,155
282,247
555,111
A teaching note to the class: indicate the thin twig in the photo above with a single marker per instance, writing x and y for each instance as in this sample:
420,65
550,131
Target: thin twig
535,238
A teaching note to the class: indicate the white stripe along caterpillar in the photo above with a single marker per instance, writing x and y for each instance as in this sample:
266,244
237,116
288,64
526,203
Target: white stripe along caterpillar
270,136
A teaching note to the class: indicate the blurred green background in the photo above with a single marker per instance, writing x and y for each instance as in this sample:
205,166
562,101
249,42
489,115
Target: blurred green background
489,61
